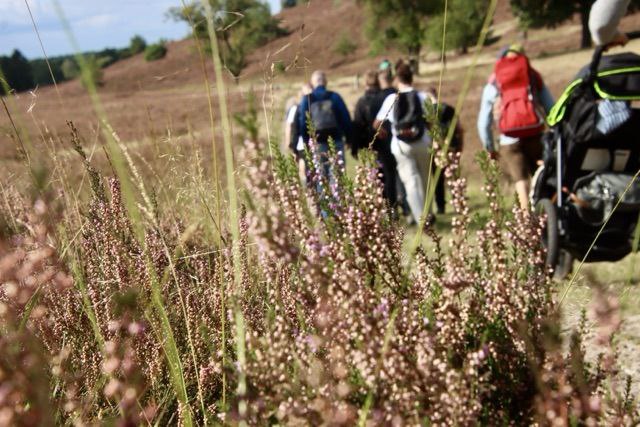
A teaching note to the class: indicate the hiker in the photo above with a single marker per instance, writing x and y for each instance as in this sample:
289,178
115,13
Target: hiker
385,79
410,142
366,135
517,100
603,22
446,113
292,132
330,119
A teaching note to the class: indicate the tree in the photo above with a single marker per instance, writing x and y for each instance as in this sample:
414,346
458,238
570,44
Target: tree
91,72
551,13
399,23
241,25
17,72
137,45
70,69
41,74
156,51
289,3
464,24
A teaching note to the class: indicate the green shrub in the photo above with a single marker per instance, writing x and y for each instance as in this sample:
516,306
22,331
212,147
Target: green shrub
279,67
156,51
345,45
69,69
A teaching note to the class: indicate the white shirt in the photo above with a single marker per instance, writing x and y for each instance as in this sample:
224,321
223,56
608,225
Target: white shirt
291,119
386,113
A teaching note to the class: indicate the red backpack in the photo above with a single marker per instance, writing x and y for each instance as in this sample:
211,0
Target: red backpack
514,78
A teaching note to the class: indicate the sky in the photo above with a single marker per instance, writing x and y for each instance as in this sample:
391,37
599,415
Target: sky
96,24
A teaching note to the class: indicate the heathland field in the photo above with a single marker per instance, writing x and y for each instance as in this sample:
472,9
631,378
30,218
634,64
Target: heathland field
161,263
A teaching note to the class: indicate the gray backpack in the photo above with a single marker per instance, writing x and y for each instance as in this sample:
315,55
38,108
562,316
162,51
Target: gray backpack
599,194
323,118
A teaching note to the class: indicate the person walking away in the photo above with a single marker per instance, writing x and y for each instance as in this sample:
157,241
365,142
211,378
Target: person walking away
410,142
292,131
385,79
517,101
365,135
329,117
604,19
446,113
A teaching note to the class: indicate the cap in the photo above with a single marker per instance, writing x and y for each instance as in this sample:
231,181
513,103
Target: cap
385,65
515,48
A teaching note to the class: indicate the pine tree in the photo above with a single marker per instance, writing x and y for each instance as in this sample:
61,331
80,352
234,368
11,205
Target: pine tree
17,72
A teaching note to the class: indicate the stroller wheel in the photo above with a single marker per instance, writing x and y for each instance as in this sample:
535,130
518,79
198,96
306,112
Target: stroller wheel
550,238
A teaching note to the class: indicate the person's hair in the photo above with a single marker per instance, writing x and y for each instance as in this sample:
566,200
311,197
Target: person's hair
318,78
371,80
385,76
404,74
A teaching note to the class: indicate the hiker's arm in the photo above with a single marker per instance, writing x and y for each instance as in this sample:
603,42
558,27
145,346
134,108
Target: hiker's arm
485,117
546,99
604,19
344,118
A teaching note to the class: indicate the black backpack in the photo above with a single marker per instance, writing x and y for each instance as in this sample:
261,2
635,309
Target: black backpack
323,117
410,123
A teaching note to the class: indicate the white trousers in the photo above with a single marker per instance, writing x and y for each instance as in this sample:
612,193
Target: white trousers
413,168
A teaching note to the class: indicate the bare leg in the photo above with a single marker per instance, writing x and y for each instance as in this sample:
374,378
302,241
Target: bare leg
302,171
522,190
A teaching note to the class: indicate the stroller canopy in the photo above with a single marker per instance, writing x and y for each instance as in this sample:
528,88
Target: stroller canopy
617,78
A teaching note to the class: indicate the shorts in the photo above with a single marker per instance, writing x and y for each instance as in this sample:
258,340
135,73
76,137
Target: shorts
522,157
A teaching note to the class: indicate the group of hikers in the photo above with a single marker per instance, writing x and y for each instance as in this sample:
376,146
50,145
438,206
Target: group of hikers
391,119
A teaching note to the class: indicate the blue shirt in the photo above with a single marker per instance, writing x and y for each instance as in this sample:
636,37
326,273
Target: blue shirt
339,109
485,116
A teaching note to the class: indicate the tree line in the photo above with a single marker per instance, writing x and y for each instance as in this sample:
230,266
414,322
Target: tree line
412,25
19,73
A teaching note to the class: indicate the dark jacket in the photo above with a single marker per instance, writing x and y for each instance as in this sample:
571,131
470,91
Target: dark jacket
365,113
447,113
339,108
